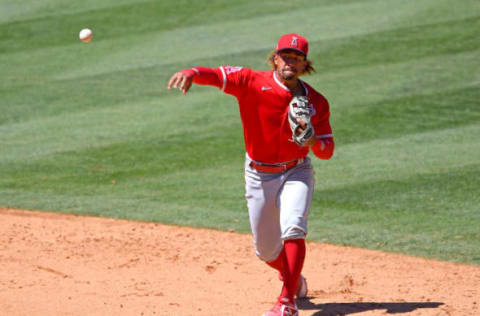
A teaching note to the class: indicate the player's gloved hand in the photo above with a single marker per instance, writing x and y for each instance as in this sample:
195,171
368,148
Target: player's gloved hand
301,129
300,123
182,80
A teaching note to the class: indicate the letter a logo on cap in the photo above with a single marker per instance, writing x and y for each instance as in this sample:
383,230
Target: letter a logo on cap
294,41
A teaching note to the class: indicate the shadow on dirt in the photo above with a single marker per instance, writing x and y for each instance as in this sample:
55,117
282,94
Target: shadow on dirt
338,309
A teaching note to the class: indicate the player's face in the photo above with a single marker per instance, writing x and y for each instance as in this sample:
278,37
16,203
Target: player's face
290,64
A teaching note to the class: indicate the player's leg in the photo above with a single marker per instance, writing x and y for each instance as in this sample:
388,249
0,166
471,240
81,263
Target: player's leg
261,194
261,191
295,200
263,200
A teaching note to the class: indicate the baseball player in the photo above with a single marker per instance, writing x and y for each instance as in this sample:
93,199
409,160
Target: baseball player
283,119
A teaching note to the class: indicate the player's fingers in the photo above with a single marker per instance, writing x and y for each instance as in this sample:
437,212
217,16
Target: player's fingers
177,84
302,123
187,86
172,81
178,81
182,80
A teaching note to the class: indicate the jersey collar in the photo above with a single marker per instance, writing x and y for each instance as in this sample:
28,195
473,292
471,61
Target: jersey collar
285,87
305,88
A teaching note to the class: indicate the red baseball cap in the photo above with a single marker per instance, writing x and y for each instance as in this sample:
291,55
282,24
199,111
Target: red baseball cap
293,41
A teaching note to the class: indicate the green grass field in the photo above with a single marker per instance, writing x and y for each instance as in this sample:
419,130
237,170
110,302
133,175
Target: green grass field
92,129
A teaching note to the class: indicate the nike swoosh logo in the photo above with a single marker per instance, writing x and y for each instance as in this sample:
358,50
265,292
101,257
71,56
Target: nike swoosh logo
266,88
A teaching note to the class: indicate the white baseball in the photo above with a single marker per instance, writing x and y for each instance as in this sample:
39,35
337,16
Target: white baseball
86,35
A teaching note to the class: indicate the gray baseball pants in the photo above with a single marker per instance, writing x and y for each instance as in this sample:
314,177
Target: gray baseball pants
278,206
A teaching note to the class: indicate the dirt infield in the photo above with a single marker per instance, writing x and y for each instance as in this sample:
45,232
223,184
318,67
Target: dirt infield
54,264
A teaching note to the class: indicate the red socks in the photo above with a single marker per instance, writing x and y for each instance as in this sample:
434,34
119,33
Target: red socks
295,255
279,263
290,263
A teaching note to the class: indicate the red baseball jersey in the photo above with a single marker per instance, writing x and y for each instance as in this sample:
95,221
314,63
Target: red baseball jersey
263,101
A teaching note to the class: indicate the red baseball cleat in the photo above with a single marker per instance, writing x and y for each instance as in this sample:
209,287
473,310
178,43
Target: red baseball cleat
283,308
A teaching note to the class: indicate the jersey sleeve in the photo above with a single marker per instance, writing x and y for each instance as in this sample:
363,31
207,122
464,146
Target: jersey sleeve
324,144
235,79
205,76
322,126
232,80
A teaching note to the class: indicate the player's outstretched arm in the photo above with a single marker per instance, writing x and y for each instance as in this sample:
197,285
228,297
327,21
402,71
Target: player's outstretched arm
184,79
181,80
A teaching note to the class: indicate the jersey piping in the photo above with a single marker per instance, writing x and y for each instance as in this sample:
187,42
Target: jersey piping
279,83
224,78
